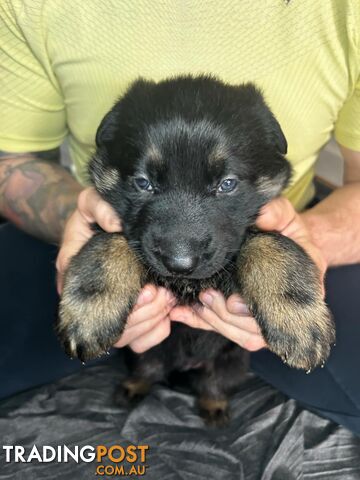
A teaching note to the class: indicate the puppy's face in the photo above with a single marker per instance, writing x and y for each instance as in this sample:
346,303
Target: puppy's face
187,163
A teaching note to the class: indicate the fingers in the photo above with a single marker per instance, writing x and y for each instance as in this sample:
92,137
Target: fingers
77,232
141,332
152,338
229,318
94,209
146,295
279,215
276,215
91,209
190,317
152,305
240,318
148,324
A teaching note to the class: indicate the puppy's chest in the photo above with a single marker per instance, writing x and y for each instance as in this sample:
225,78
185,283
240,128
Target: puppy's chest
193,348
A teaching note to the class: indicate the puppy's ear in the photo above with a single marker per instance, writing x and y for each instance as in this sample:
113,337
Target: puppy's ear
126,111
279,137
101,174
261,117
106,129
274,171
117,138
273,132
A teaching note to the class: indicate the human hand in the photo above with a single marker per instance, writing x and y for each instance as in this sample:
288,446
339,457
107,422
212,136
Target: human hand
91,208
230,317
149,322
280,216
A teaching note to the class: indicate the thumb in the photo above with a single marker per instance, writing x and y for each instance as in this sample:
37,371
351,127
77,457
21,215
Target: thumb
279,215
94,209
276,215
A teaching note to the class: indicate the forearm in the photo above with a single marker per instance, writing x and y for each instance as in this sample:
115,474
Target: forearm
36,193
334,225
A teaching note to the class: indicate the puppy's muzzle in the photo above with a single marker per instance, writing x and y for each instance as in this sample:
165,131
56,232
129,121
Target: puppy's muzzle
179,256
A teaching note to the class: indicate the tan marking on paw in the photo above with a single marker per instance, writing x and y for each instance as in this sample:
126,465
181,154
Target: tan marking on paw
301,334
136,387
121,277
212,404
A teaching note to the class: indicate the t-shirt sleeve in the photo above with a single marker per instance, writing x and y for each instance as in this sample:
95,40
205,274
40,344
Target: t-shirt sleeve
347,128
32,112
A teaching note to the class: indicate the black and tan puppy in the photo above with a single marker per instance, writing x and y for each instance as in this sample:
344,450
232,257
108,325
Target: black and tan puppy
187,163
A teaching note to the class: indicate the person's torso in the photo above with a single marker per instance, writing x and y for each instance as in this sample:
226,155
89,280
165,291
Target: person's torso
298,52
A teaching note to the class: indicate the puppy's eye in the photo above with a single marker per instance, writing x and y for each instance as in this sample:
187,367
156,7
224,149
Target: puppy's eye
228,185
143,184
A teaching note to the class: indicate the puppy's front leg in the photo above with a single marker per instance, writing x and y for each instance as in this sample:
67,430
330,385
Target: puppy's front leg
281,285
101,285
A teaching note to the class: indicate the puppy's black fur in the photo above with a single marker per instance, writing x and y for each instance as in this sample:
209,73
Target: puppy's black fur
187,163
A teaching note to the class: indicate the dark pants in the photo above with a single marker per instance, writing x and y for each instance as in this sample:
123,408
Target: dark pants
332,391
30,353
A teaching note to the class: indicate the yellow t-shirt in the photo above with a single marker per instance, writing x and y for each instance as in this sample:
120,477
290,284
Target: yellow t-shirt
64,62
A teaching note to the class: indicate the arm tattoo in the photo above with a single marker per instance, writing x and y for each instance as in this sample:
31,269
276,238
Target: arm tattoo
37,193
48,155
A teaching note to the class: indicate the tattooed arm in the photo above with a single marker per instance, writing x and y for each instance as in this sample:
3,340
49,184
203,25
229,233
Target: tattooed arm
36,193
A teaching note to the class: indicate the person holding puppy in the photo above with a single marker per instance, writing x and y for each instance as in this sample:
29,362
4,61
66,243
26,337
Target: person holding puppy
59,81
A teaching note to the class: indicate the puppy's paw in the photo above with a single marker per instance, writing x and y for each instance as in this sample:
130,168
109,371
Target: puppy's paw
131,391
215,412
302,337
282,287
100,287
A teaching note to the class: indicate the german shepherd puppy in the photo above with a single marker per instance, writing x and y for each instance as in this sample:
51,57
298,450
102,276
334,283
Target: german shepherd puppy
187,163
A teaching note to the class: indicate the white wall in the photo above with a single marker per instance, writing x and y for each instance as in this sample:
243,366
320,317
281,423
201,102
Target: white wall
330,164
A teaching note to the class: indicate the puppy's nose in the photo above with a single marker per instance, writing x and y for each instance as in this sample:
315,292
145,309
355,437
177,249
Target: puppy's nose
181,264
